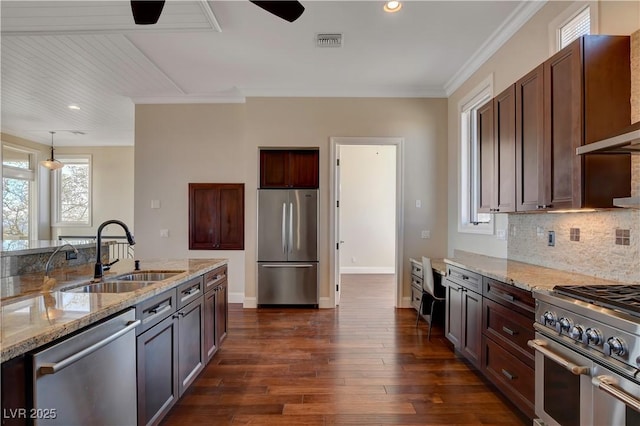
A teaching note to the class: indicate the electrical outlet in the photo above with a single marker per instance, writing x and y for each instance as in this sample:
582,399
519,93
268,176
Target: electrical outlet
70,255
540,231
501,234
353,259
155,204
164,233
551,238
418,204
425,234
512,230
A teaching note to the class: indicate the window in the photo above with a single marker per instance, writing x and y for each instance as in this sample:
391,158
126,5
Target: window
18,176
578,19
72,191
577,26
469,219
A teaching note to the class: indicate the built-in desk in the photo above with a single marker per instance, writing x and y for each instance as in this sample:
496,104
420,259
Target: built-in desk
417,278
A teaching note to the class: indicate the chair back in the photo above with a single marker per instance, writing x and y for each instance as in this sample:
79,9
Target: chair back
428,283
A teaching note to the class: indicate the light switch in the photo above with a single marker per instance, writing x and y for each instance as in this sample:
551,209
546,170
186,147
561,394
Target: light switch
155,204
418,204
164,233
425,234
501,234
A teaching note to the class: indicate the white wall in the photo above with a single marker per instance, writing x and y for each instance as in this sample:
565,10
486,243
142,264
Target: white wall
178,144
112,189
528,48
367,208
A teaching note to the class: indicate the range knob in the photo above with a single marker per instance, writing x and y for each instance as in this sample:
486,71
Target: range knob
615,346
592,336
576,332
564,324
549,318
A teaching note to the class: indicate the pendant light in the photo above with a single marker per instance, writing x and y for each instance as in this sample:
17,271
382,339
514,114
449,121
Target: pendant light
52,163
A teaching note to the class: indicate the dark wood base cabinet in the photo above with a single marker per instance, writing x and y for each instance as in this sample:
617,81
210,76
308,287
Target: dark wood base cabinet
490,323
215,311
178,337
507,326
464,313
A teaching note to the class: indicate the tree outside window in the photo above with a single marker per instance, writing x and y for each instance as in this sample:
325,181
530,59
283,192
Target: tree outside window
72,189
17,178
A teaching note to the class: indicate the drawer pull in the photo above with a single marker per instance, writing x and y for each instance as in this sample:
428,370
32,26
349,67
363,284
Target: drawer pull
508,375
506,296
509,331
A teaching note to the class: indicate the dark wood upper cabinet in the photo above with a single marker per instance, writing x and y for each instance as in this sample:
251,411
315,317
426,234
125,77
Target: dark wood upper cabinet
496,144
585,97
289,168
216,216
486,157
504,151
530,140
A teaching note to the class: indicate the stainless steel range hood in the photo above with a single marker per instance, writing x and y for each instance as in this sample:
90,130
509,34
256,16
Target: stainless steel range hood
625,141
629,202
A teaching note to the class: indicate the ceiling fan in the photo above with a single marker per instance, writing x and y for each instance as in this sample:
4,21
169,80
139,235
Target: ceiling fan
147,12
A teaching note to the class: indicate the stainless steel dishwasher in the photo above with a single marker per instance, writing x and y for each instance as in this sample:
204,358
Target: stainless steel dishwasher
89,378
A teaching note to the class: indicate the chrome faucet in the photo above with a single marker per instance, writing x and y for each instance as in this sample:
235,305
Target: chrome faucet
47,267
99,268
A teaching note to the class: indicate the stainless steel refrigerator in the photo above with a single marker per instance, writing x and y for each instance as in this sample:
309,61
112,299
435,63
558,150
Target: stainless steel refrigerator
288,247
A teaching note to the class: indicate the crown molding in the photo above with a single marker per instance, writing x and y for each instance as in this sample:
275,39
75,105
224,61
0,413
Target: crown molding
189,99
504,32
338,92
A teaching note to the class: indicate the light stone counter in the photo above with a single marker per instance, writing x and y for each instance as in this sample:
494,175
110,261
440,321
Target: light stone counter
519,274
40,317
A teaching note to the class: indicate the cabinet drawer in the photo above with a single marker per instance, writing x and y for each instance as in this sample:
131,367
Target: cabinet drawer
465,278
416,295
416,282
189,291
155,309
511,329
416,268
213,278
510,296
515,379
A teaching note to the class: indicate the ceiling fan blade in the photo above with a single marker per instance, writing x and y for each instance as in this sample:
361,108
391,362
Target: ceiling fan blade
287,10
146,12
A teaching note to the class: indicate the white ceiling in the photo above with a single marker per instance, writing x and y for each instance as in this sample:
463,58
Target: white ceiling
91,54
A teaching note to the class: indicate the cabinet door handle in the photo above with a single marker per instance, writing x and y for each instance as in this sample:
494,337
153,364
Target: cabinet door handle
506,296
509,331
508,375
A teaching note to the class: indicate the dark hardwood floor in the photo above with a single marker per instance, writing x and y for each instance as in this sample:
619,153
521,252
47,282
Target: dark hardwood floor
364,363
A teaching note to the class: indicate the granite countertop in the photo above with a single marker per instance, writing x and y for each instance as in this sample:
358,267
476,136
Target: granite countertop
519,274
38,317
21,247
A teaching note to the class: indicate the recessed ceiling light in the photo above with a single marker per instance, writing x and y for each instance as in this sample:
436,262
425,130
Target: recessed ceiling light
392,6
74,107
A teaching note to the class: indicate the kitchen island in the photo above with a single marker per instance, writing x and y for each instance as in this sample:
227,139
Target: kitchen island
33,317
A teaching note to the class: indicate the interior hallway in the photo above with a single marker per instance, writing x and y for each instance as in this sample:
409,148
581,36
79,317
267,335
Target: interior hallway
363,363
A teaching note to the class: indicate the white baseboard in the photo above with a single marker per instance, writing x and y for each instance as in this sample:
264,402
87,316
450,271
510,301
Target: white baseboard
236,297
250,303
405,303
367,270
325,303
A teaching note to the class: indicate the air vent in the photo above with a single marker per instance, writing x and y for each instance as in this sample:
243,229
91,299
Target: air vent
328,40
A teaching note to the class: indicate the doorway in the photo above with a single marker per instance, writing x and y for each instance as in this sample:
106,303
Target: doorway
366,220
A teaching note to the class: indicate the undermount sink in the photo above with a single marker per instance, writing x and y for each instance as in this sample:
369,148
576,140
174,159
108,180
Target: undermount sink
147,276
110,287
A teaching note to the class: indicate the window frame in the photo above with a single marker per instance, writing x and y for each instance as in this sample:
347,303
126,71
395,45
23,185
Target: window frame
572,11
468,187
29,175
67,159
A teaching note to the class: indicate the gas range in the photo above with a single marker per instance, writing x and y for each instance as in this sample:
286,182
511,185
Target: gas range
600,321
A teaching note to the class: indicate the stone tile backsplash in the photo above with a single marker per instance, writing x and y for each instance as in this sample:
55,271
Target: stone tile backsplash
595,252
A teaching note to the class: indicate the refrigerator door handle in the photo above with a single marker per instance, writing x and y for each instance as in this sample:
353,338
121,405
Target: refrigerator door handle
284,227
290,227
287,265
